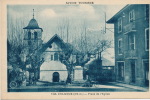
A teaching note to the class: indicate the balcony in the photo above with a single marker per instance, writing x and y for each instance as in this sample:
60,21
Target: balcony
129,28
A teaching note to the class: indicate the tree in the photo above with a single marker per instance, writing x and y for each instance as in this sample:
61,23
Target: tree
63,28
15,42
83,42
18,54
101,46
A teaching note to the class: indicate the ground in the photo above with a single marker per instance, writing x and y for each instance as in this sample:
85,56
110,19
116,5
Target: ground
59,87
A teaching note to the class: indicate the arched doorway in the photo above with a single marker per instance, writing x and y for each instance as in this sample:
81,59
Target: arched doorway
55,77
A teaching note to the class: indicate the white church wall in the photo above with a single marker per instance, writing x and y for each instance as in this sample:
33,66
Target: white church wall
48,68
52,65
48,75
49,53
54,48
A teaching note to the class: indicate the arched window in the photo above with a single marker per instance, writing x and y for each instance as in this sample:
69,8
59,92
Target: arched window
35,35
55,56
29,35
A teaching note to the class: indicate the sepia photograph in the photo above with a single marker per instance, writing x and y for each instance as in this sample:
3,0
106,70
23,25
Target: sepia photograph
74,49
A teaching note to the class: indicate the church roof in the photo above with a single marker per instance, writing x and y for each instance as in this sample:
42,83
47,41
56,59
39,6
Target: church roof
32,25
64,46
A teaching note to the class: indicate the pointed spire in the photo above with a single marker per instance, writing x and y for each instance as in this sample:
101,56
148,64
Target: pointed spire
33,13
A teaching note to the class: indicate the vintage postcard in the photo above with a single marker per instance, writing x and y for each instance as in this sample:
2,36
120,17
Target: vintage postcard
85,49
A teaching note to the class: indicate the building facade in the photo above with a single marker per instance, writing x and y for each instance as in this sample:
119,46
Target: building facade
131,33
53,70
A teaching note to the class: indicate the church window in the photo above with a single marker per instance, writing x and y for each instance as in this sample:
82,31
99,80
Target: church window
56,57
35,35
51,57
29,35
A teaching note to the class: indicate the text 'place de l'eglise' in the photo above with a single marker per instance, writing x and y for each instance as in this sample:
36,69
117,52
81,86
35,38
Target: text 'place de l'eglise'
58,63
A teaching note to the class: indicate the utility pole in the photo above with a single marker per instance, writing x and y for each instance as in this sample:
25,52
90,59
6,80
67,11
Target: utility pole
109,29
105,22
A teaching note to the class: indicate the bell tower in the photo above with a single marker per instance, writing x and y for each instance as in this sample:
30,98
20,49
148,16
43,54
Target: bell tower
33,35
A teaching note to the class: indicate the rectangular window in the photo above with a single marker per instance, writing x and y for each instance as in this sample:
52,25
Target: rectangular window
131,16
131,41
147,39
51,57
120,46
55,56
120,25
147,11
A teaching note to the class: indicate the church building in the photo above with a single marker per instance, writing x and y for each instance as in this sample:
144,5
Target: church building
53,70
58,57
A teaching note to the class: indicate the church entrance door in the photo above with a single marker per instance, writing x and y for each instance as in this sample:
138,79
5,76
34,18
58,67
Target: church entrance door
55,77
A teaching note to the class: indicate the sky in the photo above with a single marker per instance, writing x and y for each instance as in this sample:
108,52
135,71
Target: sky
52,17
49,17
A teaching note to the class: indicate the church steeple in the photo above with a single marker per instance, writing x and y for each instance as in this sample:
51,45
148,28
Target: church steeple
33,34
33,24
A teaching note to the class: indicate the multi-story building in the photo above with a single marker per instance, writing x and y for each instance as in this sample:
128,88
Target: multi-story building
131,35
